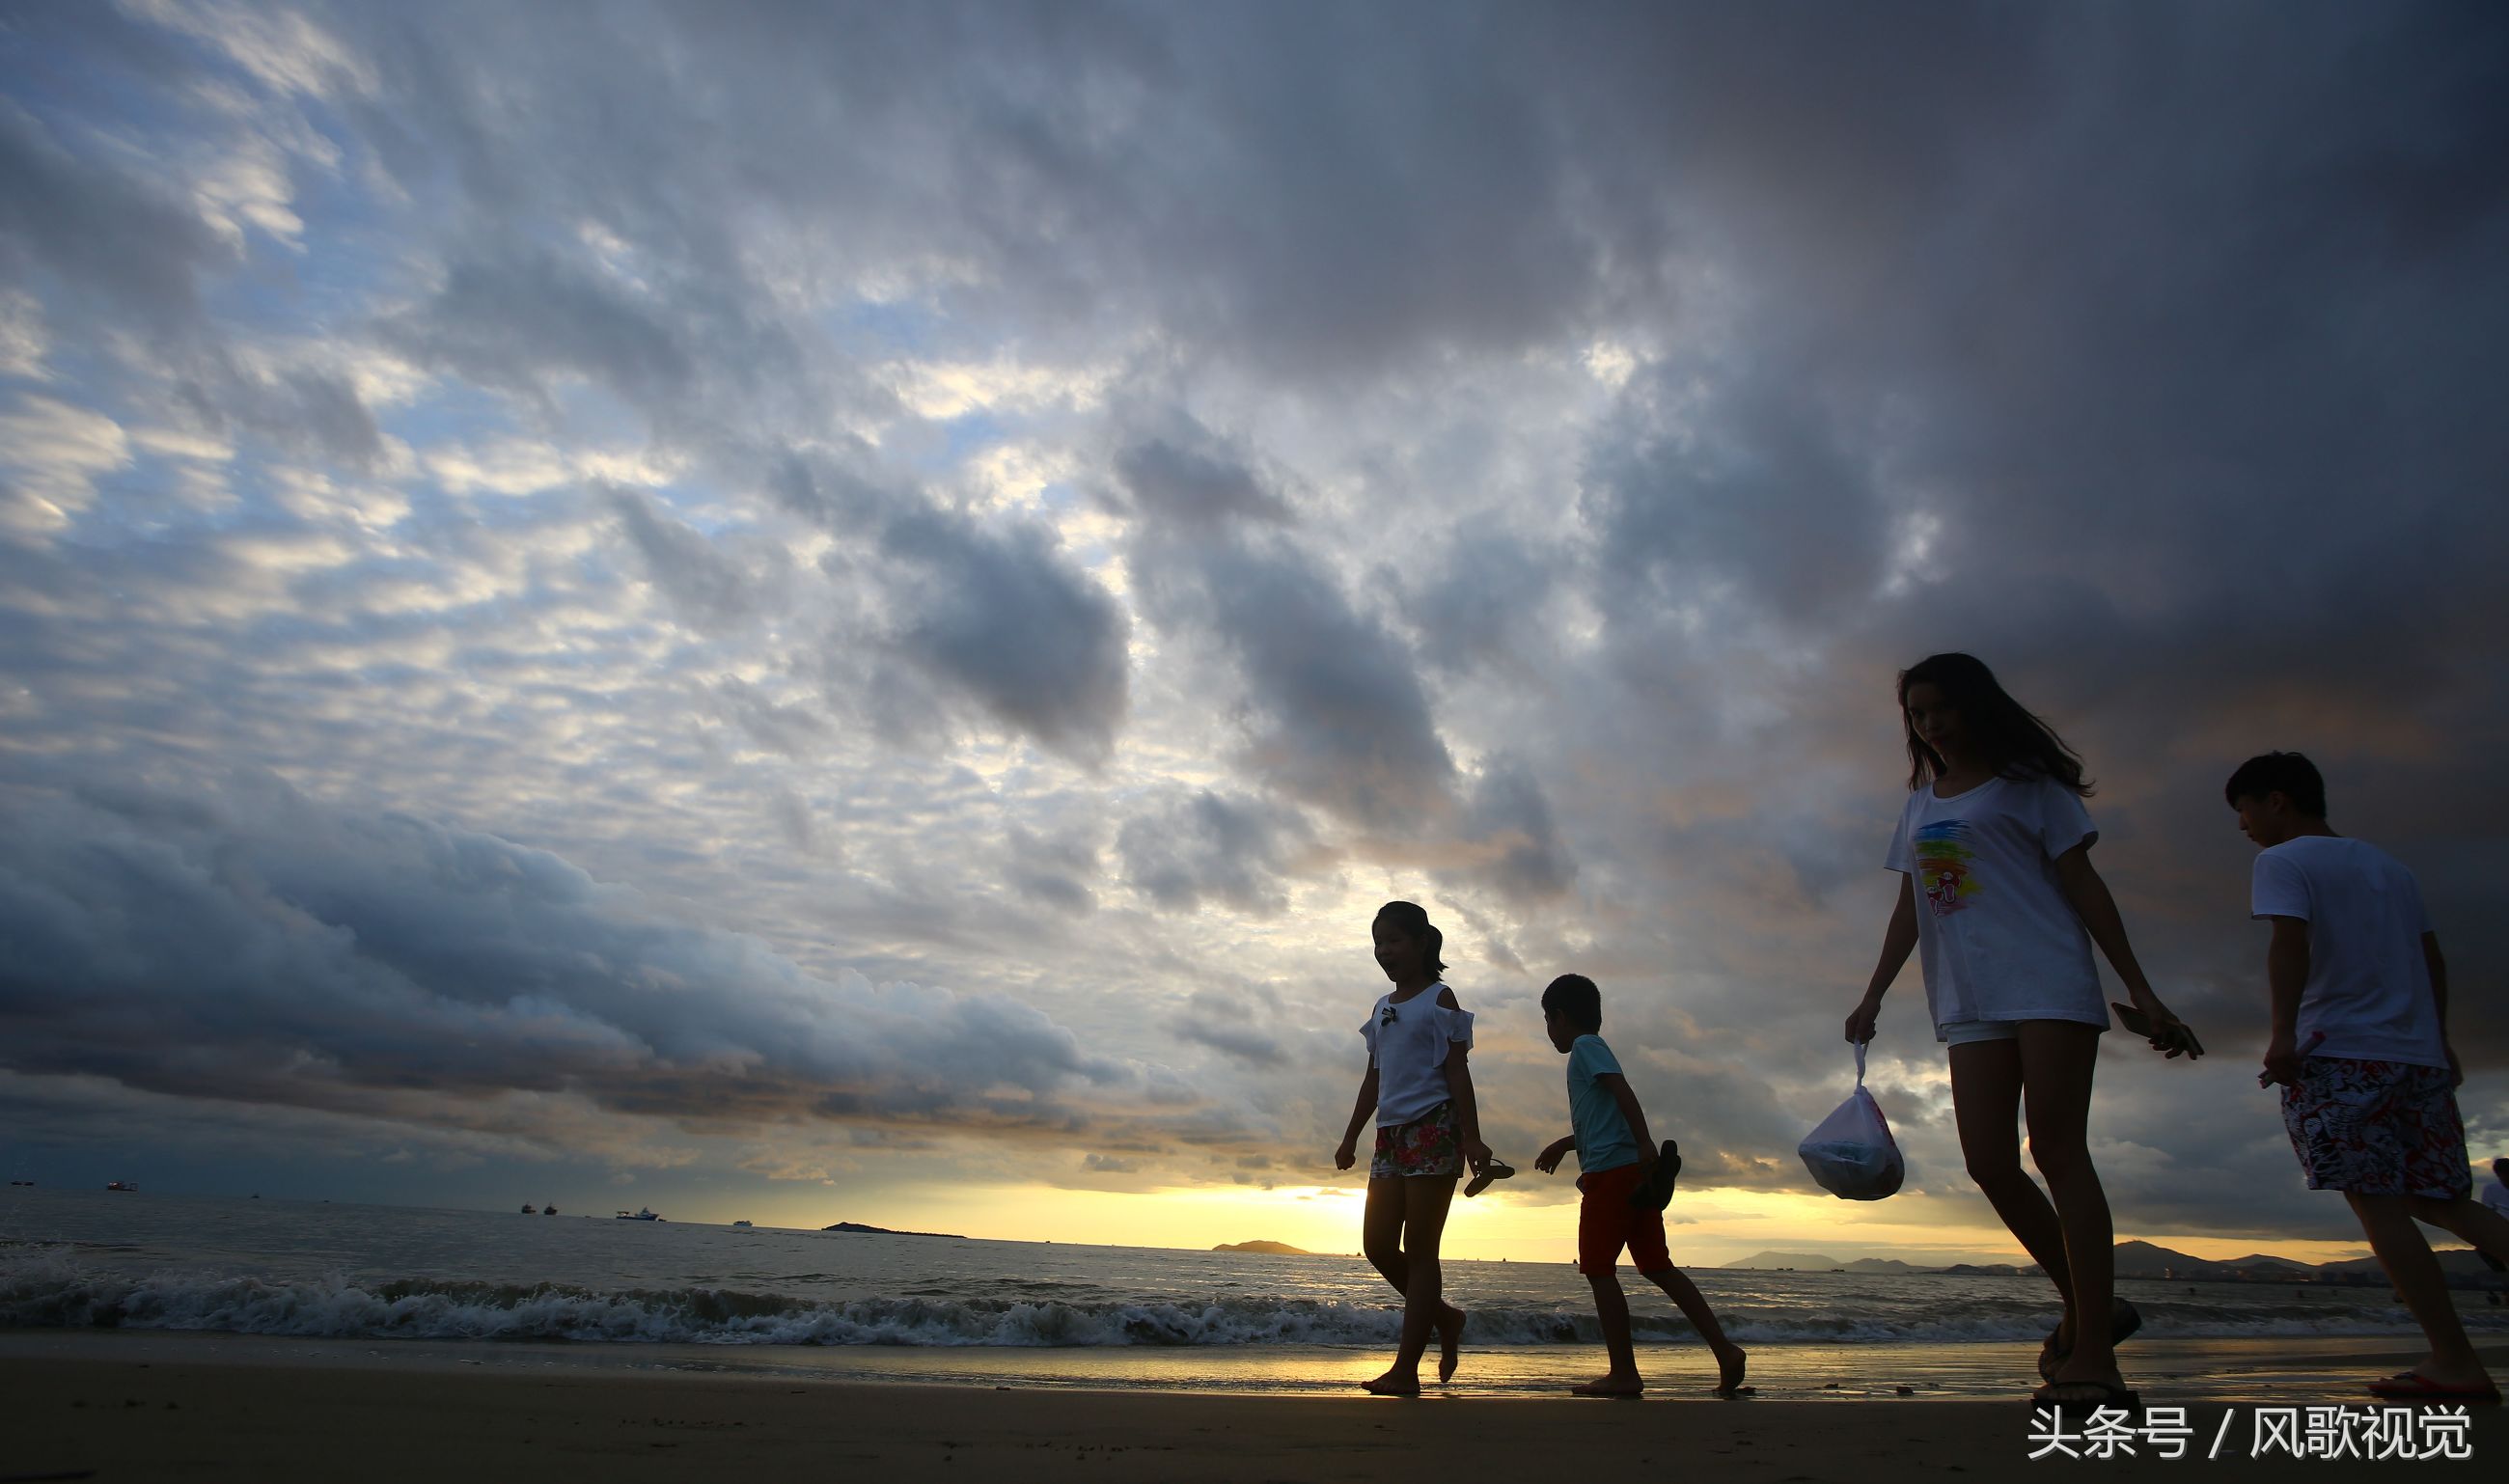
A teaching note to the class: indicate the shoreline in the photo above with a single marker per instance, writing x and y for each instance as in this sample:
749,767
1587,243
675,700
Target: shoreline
2286,1370
82,1410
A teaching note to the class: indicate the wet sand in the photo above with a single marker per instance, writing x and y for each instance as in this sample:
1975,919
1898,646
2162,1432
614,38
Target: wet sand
114,1406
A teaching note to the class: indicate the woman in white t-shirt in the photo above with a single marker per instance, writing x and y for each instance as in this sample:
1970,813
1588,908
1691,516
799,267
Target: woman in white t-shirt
1997,889
1428,1128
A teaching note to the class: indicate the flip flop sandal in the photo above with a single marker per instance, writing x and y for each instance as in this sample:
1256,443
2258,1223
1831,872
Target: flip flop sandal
2413,1386
1656,1193
1493,1170
2124,1320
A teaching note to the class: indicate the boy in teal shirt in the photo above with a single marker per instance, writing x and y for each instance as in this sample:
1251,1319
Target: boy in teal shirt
1616,1162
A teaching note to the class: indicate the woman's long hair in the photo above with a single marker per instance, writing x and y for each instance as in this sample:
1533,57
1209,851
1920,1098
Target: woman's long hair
2015,743
1413,919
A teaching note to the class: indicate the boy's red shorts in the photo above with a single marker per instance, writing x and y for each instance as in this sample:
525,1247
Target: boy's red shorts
1606,1222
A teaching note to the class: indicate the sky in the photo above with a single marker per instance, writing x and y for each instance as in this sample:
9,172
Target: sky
829,612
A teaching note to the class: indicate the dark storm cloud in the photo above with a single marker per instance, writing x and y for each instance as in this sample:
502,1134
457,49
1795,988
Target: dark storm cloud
1059,871
996,613
1481,600
1203,846
1232,1024
1749,487
248,944
1339,718
513,322
1188,474
1509,818
88,223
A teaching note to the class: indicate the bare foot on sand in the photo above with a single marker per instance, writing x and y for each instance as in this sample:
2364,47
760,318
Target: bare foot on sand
1393,1384
1728,1371
1450,1340
1611,1384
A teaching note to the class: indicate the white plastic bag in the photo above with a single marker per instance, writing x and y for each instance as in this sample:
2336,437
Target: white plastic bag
1851,1153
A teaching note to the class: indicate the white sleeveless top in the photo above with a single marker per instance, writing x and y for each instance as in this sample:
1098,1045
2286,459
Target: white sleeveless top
1407,1043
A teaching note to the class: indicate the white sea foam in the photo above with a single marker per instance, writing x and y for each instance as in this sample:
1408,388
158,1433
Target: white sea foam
55,1289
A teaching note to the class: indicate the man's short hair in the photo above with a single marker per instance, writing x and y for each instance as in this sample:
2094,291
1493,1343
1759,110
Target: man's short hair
2289,774
1577,1001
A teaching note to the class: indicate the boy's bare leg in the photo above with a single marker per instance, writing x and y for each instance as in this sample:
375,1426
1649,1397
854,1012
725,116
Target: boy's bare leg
1986,1104
2388,1222
2484,1229
2057,1059
1612,1312
1425,1200
1381,1238
1730,1357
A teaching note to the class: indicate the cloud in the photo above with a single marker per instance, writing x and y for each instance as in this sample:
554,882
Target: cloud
1076,506
1188,476
711,587
520,319
1202,846
1232,1024
56,451
994,613
88,224
1511,820
1337,717
247,945
1058,873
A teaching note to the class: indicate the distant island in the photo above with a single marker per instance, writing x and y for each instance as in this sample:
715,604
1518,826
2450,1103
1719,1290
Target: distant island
1267,1249
860,1230
2148,1260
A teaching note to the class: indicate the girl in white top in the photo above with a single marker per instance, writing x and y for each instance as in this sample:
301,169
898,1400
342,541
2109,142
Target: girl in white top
1428,1128
1997,888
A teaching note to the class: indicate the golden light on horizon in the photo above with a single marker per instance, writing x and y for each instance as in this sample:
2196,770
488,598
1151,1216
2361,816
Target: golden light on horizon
1706,1228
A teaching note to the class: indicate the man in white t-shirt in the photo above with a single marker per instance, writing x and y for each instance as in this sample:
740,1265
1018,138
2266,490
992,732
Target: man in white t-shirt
2360,1045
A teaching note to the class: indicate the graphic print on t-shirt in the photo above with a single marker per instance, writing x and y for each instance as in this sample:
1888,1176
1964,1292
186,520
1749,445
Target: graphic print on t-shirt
1943,862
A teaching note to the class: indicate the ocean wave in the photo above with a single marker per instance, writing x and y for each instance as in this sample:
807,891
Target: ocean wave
51,1291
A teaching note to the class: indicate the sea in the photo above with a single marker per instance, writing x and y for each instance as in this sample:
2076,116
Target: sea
372,1284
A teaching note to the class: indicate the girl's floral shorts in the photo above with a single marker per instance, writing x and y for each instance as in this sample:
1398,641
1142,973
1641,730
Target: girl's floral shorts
2377,1128
1428,1145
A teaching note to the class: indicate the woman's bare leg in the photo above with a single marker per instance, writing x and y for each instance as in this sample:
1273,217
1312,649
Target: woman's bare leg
2057,1061
1986,1103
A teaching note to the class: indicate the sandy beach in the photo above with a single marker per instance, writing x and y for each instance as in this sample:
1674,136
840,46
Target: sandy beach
113,1407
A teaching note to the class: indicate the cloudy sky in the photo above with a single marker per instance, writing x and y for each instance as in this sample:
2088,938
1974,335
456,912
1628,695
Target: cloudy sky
832,611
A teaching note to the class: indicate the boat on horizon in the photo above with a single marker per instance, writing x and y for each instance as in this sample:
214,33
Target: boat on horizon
638,1214
120,1185
741,1223
548,1211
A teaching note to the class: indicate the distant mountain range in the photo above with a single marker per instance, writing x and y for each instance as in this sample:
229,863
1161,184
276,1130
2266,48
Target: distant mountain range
2144,1259
1267,1249
1814,1262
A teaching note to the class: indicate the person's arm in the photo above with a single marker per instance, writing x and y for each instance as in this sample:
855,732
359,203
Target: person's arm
1348,1154
1467,1114
2439,996
1898,940
1619,1087
2090,900
1459,1092
1553,1152
2286,974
